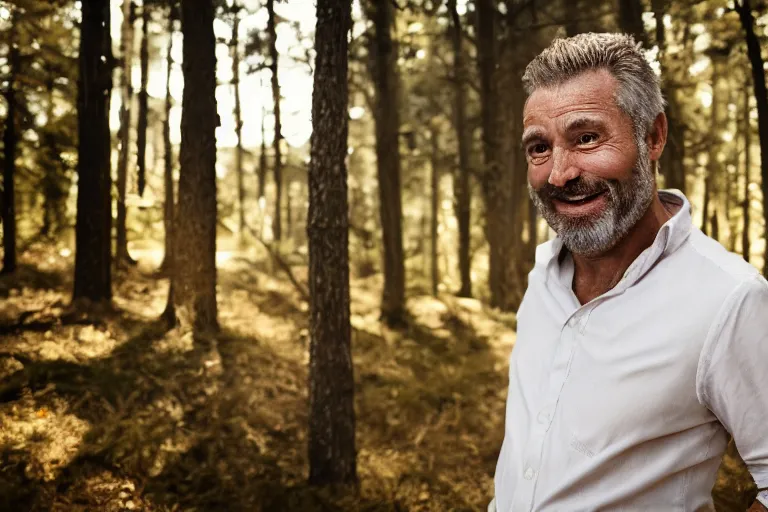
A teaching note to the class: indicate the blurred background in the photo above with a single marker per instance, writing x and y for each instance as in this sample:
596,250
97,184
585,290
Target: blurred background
105,405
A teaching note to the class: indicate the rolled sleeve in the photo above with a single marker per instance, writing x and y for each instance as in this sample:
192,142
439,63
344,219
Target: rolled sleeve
733,373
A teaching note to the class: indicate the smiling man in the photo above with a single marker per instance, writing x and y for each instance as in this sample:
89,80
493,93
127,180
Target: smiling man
642,343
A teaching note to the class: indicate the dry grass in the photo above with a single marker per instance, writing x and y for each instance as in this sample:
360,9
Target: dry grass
122,415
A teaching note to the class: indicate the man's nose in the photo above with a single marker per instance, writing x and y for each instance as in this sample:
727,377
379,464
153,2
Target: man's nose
563,169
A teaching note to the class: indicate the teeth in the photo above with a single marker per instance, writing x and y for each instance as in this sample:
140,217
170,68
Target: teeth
578,198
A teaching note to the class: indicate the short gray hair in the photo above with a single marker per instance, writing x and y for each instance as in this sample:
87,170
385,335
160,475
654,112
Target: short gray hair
638,95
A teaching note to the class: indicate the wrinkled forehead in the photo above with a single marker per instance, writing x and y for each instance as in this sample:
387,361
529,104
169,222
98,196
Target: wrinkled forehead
587,91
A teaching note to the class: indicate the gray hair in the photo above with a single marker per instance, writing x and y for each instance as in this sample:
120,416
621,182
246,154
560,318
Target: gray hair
638,94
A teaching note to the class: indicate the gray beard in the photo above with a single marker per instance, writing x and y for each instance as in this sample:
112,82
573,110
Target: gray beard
627,203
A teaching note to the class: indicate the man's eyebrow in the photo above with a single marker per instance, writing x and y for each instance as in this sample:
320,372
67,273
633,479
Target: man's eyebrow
530,135
581,123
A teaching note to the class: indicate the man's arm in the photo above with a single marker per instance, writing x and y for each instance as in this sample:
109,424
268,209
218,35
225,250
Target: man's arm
733,376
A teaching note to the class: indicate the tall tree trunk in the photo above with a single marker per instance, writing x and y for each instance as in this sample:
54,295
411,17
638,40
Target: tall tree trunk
238,119
744,9
387,119
10,141
714,178
331,383
93,277
434,209
53,184
126,97
463,195
497,180
168,203
194,285
262,157
631,20
673,158
278,165
745,244
141,140
288,212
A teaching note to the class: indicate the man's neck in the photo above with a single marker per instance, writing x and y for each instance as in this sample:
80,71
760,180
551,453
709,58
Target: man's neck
594,276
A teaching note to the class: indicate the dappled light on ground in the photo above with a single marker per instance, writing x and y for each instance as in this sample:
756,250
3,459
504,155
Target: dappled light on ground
119,414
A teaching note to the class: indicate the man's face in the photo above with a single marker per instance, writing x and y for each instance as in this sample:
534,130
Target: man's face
588,175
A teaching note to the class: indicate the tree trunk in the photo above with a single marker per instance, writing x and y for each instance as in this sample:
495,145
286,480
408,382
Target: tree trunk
745,244
168,204
331,384
262,157
713,180
93,278
278,165
434,210
673,159
194,285
462,190
387,119
55,184
10,141
631,20
761,96
497,180
126,97
238,120
141,137
288,212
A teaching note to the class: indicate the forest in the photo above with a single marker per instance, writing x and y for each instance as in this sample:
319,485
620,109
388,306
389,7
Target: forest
266,254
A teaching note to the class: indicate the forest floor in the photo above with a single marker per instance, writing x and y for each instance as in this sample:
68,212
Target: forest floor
111,412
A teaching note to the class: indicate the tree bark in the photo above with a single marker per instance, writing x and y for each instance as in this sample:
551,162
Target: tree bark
745,243
331,384
262,157
673,159
93,278
141,141
744,9
497,179
387,119
126,97
278,165
631,20
194,285
168,203
434,210
462,190
238,119
714,178
55,183
10,141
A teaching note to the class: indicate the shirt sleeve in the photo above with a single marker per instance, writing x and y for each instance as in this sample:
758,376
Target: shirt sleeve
734,373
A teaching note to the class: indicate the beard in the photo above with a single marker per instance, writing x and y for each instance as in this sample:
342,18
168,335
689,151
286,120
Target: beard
626,203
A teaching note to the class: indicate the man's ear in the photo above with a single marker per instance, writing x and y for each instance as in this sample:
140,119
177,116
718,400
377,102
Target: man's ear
657,137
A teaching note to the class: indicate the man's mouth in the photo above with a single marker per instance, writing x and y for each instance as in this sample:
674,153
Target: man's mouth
581,198
581,204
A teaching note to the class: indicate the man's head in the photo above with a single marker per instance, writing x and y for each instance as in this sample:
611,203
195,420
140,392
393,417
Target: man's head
593,128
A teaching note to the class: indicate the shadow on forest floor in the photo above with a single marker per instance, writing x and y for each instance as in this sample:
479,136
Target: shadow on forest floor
124,415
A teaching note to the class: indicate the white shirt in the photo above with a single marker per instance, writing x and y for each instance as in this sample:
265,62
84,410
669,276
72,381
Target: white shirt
623,403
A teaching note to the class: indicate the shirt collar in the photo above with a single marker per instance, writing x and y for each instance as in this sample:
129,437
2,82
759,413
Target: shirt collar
670,237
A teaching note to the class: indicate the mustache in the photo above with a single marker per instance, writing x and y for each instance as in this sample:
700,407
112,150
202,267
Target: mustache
576,187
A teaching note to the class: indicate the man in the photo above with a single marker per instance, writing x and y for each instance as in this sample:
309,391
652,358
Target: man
641,342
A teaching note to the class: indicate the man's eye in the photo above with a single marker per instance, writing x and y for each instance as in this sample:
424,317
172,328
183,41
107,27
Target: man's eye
587,138
537,149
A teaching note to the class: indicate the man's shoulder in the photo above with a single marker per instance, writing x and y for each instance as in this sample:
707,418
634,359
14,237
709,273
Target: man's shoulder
714,263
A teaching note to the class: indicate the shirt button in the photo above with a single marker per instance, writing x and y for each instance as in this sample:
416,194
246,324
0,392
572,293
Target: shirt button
543,417
529,474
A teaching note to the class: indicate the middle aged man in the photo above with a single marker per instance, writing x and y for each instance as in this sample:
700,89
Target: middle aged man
641,341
